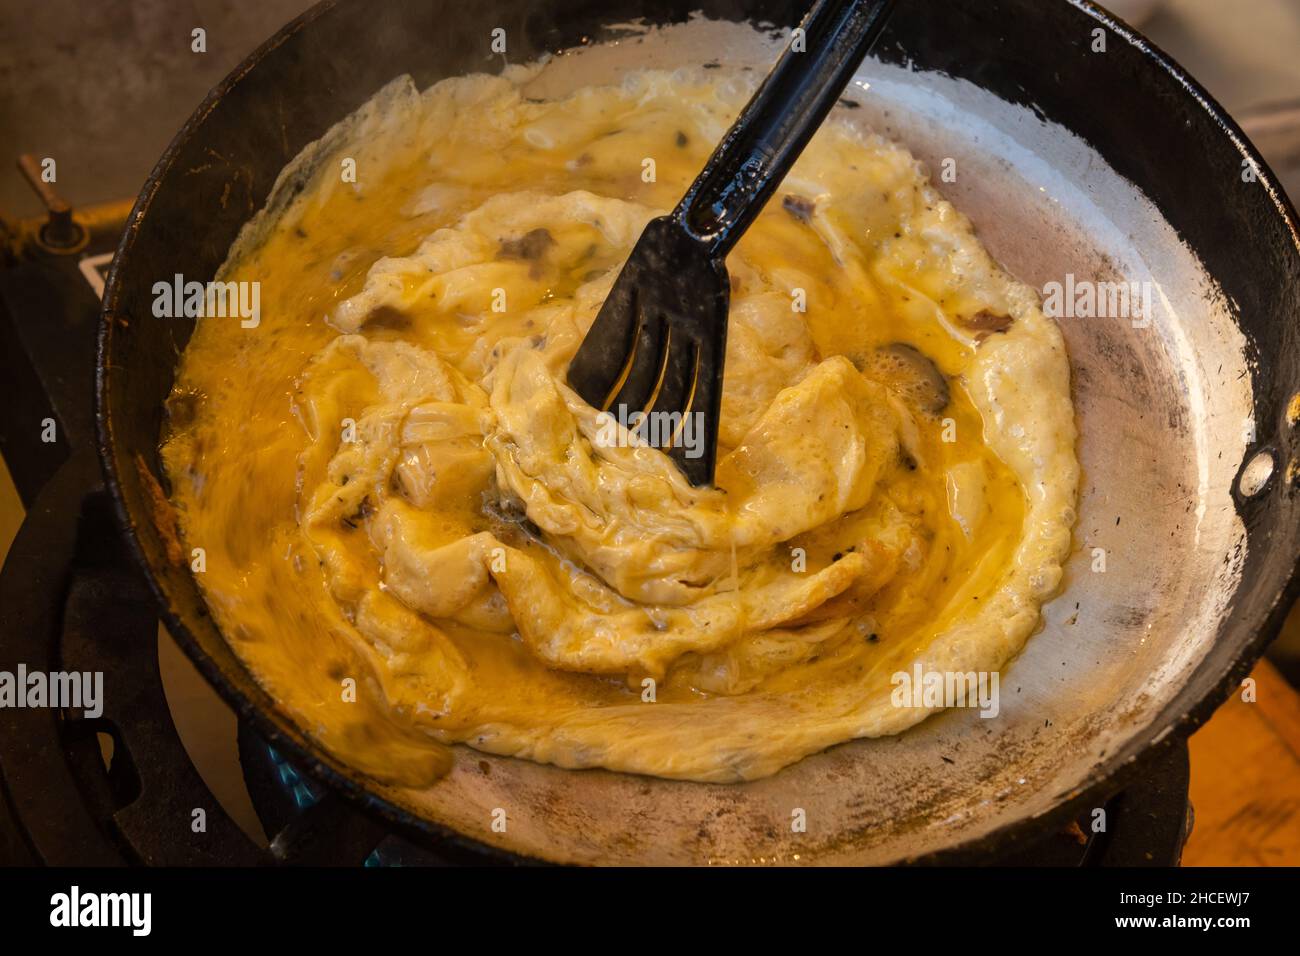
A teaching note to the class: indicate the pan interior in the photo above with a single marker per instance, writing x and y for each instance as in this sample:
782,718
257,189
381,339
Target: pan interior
1164,406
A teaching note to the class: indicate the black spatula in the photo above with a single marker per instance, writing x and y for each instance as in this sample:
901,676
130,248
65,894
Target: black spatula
658,344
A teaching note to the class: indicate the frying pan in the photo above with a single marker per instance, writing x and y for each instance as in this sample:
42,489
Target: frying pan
1105,164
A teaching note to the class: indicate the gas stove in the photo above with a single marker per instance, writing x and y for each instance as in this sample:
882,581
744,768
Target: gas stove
96,790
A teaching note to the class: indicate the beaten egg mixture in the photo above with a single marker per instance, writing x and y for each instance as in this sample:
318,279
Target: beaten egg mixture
413,536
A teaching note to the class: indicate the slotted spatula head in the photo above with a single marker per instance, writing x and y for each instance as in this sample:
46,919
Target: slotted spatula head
658,344
653,357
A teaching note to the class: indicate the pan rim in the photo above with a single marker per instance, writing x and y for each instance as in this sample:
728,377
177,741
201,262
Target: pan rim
1176,720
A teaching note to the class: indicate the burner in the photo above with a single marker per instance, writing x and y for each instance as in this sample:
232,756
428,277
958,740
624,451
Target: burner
121,788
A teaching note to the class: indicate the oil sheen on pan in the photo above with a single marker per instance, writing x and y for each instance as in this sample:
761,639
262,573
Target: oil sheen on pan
415,534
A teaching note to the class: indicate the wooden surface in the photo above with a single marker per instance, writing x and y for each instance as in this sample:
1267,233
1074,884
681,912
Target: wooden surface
1246,779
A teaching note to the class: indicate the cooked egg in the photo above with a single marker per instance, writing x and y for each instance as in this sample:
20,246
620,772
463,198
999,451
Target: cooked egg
416,534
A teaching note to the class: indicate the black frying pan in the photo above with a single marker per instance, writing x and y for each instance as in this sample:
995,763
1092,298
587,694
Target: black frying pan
1143,173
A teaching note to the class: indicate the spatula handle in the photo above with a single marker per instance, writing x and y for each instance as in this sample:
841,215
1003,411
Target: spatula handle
778,121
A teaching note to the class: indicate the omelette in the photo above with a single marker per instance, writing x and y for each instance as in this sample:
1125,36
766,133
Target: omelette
415,534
